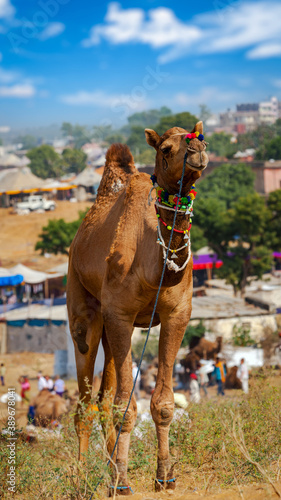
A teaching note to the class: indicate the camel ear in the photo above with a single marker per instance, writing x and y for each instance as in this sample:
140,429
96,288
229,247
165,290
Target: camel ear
198,128
152,138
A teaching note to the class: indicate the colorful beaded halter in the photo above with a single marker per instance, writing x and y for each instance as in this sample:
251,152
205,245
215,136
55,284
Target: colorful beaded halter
170,200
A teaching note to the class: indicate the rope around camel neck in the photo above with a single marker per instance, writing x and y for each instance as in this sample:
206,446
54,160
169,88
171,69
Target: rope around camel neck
151,320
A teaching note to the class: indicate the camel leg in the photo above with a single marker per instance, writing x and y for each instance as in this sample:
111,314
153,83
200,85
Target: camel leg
119,332
106,397
162,401
86,325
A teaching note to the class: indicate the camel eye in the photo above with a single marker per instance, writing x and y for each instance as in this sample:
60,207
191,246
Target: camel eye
166,150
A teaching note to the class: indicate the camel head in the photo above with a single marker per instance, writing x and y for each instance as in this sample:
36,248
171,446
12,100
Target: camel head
171,148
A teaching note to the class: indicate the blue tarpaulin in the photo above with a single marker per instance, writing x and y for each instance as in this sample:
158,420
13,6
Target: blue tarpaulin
17,279
34,322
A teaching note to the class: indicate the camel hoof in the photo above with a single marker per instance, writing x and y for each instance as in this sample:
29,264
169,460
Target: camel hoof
120,490
165,484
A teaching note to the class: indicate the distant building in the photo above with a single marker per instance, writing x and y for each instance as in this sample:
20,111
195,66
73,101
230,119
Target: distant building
249,115
269,111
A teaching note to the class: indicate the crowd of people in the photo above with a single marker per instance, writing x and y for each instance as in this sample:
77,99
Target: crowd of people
207,374
56,386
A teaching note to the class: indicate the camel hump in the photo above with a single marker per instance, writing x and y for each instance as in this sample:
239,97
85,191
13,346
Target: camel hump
119,167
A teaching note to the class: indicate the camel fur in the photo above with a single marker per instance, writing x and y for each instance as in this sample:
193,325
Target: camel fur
48,407
114,272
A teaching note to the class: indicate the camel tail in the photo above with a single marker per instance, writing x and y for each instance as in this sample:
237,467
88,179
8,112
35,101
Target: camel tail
119,167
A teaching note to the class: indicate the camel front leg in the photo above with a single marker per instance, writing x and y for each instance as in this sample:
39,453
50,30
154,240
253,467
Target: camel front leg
162,401
119,332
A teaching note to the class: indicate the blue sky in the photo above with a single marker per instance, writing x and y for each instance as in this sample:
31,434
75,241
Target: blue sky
92,62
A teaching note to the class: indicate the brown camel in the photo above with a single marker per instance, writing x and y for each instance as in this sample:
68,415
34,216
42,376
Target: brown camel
115,266
204,349
48,407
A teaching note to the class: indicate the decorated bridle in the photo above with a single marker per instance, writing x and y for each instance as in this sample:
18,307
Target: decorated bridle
182,205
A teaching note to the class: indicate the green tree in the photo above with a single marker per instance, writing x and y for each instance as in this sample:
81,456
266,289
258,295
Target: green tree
204,112
79,134
245,253
184,120
198,240
219,143
227,183
100,132
115,137
28,141
273,230
148,118
57,236
67,129
136,141
73,160
270,150
1,141
192,332
147,157
45,162
256,138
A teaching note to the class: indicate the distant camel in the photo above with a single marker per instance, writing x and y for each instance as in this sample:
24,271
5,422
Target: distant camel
48,407
204,349
115,266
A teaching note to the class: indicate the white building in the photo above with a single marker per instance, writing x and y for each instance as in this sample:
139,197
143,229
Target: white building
268,111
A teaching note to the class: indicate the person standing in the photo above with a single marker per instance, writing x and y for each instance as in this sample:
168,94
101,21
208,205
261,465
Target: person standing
194,389
137,385
2,373
42,383
243,375
50,383
25,387
59,386
220,375
203,378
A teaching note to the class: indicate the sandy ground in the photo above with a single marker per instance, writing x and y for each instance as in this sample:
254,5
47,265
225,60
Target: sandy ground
19,234
26,363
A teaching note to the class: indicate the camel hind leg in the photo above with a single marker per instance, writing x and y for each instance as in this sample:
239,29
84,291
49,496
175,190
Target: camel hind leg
106,397
86,326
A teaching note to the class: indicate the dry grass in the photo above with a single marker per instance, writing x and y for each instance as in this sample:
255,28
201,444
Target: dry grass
219,446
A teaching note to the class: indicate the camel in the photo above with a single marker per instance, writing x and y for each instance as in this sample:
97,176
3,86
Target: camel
48,407
201,349
115,266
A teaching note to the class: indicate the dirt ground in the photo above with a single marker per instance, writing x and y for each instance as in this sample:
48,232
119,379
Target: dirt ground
30,363
19,234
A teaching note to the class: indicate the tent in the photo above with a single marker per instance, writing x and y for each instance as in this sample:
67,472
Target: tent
8,278
32,277
18,180
88,178
206,262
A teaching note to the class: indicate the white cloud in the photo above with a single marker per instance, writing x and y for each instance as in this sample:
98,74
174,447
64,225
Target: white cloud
21,91
265,51
52,30
206,94
7,76
129,103
159,29
6,9
253,26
